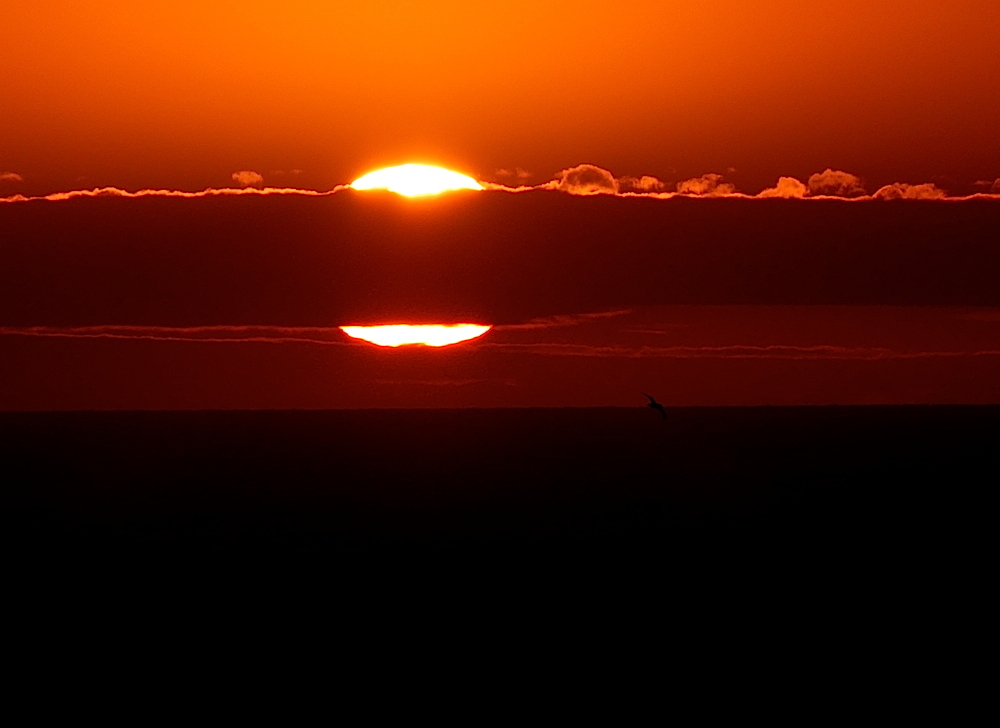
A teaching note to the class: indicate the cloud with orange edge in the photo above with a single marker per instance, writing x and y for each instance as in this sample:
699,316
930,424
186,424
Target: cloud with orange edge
788,188
11,177
903,191
992,188
644,184
210,192
589,179
586,179
708,185
836,183
246,178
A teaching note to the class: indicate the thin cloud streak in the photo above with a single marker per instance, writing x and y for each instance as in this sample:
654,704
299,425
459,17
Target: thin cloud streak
432,382
562,321
331,335
210,192
736,351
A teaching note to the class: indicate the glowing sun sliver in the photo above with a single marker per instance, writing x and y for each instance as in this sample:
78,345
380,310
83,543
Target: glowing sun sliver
425,334
415,179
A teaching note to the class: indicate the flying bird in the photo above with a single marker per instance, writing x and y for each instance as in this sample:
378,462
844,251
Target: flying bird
656,405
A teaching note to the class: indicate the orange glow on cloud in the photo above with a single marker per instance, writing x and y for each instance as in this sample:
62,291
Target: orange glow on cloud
428,334
415,179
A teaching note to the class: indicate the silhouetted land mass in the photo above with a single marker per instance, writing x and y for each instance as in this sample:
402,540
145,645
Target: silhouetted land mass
873,489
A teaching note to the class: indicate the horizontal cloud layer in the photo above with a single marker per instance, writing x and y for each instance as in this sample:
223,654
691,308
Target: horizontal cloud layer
210,192
334,336
735,351
694,355
589,180
215,334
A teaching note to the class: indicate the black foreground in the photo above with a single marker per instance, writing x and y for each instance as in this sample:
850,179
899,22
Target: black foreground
867,490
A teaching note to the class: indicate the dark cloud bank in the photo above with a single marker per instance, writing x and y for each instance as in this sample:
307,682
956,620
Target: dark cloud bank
299,260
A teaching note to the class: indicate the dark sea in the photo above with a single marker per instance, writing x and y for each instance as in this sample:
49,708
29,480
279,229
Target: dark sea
869,490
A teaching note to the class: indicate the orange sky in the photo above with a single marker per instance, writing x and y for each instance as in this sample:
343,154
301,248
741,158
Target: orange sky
181,94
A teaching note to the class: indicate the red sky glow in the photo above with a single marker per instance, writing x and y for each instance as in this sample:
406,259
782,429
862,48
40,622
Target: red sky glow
714,203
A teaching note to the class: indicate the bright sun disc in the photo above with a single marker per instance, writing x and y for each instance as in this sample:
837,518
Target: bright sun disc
415,179
428,335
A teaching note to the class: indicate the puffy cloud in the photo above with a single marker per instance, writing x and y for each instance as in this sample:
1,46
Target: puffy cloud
987,187
583,179
708,185
246,178
517,173
586,179
11,177
645,183
787,187
836,184
903,191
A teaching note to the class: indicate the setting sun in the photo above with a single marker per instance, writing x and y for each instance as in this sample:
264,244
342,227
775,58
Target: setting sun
415,179
428,335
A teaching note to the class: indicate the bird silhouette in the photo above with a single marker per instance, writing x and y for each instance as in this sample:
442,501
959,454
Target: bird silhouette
656,405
